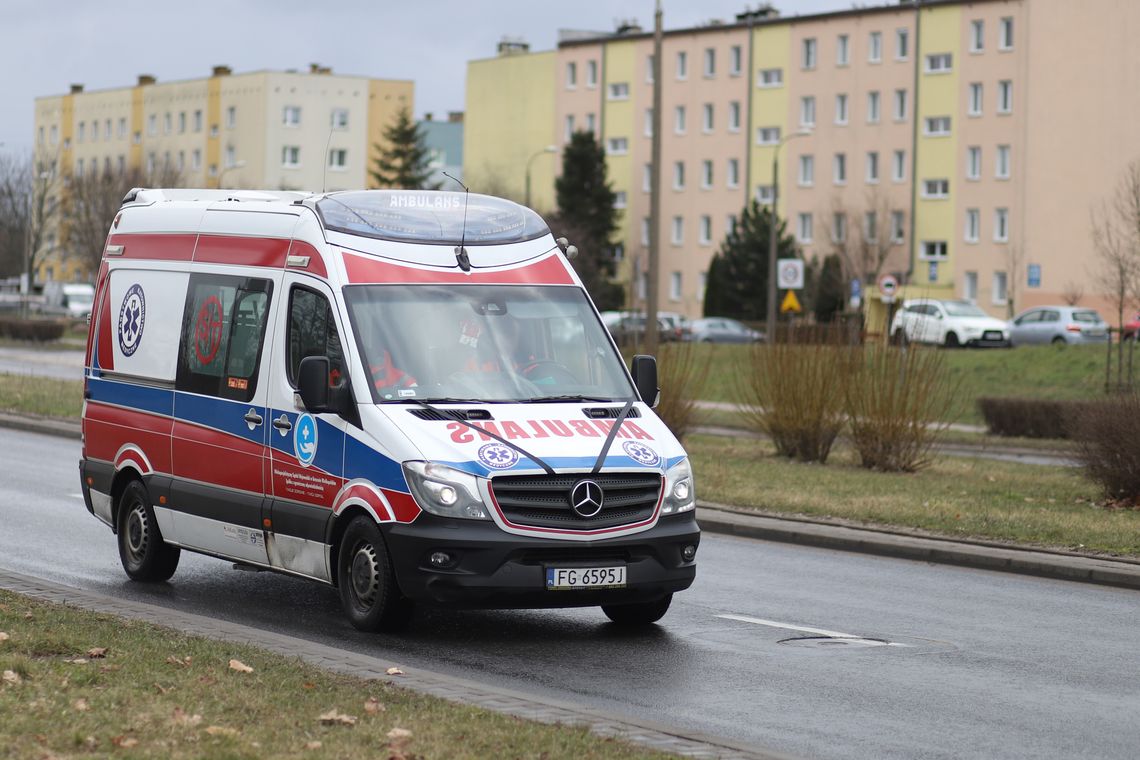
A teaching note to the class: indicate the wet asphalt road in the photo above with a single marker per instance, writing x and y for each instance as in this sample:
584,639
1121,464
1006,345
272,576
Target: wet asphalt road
60,365
985,665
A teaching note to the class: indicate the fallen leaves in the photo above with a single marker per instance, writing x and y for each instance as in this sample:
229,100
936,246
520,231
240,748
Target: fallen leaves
183,718
124,742
333,718
11,676
312,745
372,706
240,666
394,672
80,705
77,661
222,731
182,663
96,653
4,637
398,741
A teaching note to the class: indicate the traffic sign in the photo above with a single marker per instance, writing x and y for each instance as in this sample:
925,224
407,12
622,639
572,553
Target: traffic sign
791,303
888,286
790,274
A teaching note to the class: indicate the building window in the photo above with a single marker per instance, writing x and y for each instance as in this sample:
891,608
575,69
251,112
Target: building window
735,61
936,189
898,166
590,123
934,250
839,227
898,221
871,227
1001,225
182,121
231,156
648,122
872,166
678,236
291,116
94,130
900,105
706,230
121,164
569,127
902,44
619,251
710,62
81,133
645,230
977,35
875,47
807,111
975,105
807,60
732,173
936,126
181,160
804,227
706,174
338,158
679,120
571,75
198,121
765,194
730,224
79,169
1005,96
841,108
767,135
678,175
842,50
152,125
618,91
54,134
591,74
702,285
1002,169
338,119
973,224
649,61
167,123
291,156
973,162
970,286
770,78
213,130
620,199
682,65
707,118
647,178
617,146
1005,34
734,116
873,107
807,170
999,292
675,286
40,136
839,165
122,128
939,63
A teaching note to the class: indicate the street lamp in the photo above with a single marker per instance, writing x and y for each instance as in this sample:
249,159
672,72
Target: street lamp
770,326
547,149
231,167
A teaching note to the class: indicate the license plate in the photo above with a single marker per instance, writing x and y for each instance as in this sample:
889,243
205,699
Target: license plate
567,578
991,335
1096,332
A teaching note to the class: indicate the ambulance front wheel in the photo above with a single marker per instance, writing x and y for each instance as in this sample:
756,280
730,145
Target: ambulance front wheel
145,556
367,582
639,613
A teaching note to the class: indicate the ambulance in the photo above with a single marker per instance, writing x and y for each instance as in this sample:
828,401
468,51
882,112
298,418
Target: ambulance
406,395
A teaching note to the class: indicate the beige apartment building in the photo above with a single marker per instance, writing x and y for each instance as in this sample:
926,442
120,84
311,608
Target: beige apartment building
307,130
959,145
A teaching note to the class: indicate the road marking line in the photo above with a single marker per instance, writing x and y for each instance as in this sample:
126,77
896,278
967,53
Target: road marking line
802,628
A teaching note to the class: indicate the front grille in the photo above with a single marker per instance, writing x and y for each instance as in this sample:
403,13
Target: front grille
438,415
543,501
609,412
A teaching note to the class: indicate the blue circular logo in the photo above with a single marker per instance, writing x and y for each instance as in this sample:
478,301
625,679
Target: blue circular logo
132,316
305,439
497,456
641,453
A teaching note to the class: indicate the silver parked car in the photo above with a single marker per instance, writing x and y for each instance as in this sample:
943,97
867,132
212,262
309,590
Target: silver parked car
1057,324
721,330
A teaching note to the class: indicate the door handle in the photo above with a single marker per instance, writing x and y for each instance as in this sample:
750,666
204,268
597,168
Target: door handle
283,424
253,418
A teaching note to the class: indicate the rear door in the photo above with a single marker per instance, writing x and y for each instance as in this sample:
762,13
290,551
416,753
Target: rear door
1022,328
1050,327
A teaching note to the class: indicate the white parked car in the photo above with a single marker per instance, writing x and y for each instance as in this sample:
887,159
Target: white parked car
948,323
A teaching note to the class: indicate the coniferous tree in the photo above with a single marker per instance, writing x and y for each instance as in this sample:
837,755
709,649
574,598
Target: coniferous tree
587,218
830,293
403,162
738,274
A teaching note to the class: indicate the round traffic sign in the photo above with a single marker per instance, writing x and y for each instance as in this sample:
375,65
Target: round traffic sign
888,285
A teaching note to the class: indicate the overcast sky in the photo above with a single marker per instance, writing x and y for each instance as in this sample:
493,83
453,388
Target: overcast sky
49,44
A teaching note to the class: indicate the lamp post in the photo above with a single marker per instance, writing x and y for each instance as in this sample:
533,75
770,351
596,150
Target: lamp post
547,149
231,167
770,318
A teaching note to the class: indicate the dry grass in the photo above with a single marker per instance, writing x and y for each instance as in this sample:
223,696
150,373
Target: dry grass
1107,434
27,394
682,376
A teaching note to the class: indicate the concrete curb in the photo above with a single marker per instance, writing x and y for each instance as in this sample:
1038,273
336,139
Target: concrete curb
45,425
646,733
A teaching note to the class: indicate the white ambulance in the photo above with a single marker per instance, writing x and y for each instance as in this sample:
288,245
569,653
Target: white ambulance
407,395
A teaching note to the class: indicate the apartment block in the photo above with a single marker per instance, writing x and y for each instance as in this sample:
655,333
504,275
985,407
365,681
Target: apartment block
959,145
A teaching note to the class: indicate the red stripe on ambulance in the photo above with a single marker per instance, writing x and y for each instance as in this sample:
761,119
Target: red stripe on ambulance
548,271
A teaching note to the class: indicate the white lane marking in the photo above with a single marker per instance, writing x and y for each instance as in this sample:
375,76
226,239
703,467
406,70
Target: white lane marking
802,628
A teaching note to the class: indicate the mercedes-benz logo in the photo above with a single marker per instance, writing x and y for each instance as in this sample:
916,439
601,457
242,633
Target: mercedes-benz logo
586,498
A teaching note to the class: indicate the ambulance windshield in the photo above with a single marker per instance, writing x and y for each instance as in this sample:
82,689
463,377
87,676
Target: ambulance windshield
430,216
486,343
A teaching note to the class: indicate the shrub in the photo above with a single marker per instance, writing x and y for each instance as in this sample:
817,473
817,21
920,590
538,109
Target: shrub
39,330
1107,433
897,403
1029,418
682,378
794,394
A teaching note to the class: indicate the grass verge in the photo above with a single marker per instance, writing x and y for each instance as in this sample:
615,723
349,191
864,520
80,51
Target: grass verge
28,394
157,693
956,497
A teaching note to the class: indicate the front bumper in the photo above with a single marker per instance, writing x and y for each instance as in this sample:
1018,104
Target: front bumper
494,569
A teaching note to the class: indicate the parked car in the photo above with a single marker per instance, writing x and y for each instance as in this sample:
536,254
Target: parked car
722,330
671,325
630,329
947,323
1131,328
1058,325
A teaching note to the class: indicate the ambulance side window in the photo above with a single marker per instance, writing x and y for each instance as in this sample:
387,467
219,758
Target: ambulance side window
223,330
312,332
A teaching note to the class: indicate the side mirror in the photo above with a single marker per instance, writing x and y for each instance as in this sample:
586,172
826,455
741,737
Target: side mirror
313,383
644,370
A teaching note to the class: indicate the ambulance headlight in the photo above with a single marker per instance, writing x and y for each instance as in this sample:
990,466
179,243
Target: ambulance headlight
679,494
445,491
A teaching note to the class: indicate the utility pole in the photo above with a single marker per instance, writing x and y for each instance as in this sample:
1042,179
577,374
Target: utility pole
654,264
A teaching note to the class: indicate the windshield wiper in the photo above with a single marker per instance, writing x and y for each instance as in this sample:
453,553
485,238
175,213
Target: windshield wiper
567,398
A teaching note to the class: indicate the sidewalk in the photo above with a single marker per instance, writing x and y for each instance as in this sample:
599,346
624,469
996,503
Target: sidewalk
720,518
726,406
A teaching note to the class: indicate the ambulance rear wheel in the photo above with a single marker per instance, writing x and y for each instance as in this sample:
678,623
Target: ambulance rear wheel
145,556
368,591
640,613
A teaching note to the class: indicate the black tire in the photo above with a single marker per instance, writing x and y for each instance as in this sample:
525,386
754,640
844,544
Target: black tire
145,556
640,613
368,591
952,340
1059,341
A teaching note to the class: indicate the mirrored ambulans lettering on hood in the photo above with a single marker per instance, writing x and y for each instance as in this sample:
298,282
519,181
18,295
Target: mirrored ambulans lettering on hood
407,395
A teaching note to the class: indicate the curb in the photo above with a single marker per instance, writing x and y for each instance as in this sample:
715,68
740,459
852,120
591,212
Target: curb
657,736
720,518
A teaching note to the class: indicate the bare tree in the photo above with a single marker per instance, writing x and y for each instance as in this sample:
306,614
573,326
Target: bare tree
868,240
30,204
1014,256
1073,293
1116,239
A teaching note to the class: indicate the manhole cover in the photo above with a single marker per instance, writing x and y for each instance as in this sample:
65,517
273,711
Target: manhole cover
835,642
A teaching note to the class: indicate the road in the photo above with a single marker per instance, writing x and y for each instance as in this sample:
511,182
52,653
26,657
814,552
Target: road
980,664
60,365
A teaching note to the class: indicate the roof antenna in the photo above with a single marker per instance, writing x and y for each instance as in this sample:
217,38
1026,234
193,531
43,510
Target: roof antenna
461,252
